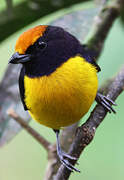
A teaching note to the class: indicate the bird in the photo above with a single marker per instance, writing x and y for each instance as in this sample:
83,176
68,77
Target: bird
58,81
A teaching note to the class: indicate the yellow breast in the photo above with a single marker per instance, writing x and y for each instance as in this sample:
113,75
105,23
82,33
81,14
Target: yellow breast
64,96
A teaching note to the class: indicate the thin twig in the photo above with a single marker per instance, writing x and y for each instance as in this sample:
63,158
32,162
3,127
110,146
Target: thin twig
86,132
29,129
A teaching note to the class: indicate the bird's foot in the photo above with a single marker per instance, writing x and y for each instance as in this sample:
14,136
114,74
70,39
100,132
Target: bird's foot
105,102
63,158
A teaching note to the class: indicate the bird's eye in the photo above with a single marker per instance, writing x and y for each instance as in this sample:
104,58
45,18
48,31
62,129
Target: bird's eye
42,44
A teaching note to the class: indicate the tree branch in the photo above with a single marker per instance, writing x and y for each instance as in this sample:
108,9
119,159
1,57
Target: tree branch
29,129
86,132
102,24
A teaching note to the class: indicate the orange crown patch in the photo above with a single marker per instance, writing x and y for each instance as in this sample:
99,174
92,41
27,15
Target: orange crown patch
28,38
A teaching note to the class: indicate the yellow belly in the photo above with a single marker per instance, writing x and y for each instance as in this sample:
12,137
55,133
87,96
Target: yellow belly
64,96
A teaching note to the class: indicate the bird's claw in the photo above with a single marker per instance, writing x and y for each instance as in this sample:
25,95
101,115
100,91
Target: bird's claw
105,102
68,156
66,163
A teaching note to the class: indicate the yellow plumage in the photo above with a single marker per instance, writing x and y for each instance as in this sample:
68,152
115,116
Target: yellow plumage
64,96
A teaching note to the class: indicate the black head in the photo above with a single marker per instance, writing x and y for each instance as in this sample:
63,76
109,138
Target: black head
44,48
49,51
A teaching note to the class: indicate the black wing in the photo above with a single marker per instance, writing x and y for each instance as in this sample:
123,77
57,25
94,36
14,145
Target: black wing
90,56
21,88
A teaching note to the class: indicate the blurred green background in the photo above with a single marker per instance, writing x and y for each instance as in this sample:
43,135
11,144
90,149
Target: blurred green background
24,159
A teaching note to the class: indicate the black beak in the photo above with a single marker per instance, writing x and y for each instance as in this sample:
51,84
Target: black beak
19,58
